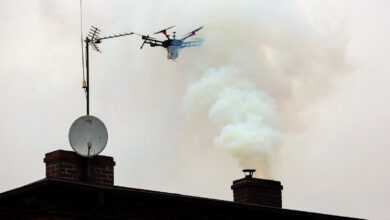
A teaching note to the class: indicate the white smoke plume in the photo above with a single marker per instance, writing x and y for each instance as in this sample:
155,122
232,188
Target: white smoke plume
263,63
260,61
250,125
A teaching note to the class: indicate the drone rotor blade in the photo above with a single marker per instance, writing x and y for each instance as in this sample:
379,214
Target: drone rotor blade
142,45
146,38
164,30
194,31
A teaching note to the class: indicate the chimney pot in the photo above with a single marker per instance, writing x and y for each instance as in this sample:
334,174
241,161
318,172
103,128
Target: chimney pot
248,172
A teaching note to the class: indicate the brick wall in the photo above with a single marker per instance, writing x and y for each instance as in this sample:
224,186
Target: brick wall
68,165
258,191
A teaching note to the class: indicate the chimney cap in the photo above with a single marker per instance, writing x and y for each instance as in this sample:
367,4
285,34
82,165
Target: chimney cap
248,172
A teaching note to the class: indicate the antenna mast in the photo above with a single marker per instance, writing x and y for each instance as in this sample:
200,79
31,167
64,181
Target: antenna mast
91,40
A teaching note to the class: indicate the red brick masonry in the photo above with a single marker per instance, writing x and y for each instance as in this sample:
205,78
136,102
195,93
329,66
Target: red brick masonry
68,165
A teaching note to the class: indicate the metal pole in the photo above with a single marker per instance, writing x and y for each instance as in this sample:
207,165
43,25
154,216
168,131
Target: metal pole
87,40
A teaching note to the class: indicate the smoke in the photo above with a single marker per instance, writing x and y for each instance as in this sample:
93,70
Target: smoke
262,65
250,125
259,62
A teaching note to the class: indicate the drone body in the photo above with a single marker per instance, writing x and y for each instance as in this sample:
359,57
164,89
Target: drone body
173,46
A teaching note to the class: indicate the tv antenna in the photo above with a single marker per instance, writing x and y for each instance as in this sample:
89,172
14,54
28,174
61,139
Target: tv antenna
92,40
88,134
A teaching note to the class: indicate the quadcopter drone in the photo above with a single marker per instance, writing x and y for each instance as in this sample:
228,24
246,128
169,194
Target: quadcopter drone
174,45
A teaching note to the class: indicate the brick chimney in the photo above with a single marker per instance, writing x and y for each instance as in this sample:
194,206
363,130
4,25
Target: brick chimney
68,165
257,191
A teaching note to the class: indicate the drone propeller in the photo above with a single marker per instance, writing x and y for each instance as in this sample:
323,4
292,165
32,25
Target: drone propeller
192,33
165,30
146,38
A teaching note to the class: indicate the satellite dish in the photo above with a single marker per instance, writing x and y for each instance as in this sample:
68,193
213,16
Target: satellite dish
88,136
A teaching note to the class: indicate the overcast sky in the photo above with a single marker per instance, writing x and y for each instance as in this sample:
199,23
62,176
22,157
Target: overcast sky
332,92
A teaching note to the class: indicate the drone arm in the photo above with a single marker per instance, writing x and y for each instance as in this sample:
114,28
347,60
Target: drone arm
149,40
153,43
166,35
189,35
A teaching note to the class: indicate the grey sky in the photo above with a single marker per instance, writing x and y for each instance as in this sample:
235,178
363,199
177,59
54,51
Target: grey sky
334,162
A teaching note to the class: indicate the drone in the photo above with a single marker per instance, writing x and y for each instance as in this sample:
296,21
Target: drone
173,46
